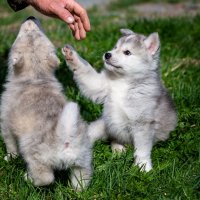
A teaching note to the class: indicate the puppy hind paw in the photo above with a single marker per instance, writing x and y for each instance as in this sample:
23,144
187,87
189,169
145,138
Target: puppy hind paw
42,180
117,148
10,156
27,178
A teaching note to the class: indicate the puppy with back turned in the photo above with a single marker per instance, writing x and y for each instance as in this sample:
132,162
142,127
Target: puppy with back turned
36,119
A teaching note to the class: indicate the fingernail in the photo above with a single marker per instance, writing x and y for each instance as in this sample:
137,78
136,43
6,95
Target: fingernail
70,20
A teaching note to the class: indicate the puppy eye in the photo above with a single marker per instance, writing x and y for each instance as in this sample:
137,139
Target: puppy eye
127,52
115,47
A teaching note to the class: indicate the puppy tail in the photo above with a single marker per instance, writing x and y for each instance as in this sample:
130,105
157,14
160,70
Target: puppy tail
96,131
68,123
71,127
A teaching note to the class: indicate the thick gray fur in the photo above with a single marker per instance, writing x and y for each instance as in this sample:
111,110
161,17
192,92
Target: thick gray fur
137,108
36,119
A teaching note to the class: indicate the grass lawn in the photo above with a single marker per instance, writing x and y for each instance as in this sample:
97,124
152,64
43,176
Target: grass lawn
176,173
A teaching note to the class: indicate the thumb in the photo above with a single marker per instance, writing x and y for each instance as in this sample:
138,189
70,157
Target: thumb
62,13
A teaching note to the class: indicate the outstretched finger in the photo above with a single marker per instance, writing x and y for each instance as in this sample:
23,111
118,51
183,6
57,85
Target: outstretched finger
77,33
72,27
62,13
81,12
82,31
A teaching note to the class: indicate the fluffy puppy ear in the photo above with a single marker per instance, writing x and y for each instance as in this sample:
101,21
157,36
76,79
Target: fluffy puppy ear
17,61
152,43
125,32
53,60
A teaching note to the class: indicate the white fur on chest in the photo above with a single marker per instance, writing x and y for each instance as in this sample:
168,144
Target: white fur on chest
125,107
116,109
118,93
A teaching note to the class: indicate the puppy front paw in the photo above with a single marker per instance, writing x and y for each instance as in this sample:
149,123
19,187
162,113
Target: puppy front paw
145,165
70,56
67,51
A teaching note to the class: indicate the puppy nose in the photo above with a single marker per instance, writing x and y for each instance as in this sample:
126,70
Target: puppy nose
31,18
108,56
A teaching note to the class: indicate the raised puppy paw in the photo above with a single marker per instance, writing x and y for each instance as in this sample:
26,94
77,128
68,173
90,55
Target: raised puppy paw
71,57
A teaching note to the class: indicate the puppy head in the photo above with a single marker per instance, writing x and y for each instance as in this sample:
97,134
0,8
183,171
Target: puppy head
32,52
133,53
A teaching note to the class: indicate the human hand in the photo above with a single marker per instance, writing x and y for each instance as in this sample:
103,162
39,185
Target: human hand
67,10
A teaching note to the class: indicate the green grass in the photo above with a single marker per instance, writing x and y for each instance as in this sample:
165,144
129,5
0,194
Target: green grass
117,5
176,173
